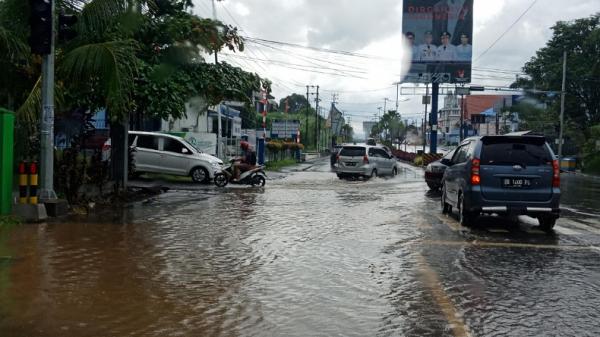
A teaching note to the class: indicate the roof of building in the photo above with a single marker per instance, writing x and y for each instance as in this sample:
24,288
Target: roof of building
477,104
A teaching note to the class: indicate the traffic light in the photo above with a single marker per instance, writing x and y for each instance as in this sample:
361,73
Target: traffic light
40,20
66,26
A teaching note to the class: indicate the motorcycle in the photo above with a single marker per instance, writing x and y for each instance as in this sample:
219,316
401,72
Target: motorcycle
254,177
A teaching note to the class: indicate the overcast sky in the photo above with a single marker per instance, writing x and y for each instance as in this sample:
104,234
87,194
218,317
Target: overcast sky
373,29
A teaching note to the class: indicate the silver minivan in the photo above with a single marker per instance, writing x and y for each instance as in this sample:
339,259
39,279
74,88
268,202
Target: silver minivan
164,153
365,161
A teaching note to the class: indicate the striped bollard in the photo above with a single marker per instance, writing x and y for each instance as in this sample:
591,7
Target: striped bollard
22,183
33,183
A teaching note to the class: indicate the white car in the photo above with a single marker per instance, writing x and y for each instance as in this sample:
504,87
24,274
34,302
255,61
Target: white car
163,153
365,161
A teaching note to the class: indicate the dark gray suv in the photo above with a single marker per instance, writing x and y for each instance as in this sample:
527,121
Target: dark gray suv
506,175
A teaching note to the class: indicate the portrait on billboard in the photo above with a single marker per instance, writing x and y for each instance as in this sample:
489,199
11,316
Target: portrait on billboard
439,35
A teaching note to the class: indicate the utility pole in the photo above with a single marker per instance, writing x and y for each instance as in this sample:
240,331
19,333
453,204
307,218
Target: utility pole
435,90
425,119
385,105
397,97
317,126
307,108
562,108
47,123
498,116
462,118
214,14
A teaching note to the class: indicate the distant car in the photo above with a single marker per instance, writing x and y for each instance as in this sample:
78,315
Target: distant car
334,153
506,175
435,171
365,161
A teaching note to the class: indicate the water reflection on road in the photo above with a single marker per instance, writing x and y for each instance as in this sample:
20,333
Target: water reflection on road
309,255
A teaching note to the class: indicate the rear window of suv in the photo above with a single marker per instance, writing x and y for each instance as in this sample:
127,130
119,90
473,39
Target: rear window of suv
527,152
352,151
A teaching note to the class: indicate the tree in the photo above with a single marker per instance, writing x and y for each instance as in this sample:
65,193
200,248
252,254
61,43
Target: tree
139,56
581,40
389,128
296,102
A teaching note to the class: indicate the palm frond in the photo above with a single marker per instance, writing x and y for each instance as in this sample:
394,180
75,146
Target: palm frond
111,64
12,46
30,110
98,15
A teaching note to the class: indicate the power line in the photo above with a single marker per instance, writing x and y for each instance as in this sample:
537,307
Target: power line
506,31
323,50
293,64
307,58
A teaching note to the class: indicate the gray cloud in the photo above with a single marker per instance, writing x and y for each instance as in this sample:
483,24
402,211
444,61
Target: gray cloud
352,25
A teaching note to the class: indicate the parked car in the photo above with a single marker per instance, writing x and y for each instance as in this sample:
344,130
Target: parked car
435,171
506,175
334,153
365,161
163,153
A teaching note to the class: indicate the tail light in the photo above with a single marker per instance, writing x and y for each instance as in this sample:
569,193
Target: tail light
475,177
556,173
337,158
365,159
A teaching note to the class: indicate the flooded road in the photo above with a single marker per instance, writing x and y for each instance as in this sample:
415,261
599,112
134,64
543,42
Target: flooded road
308,255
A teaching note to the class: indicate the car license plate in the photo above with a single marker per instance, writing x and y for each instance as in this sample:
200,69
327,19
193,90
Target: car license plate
515,182
350,164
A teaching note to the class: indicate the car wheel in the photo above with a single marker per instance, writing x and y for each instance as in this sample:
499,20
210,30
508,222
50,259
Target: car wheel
341,176
547,222
466,218
199,175
446,208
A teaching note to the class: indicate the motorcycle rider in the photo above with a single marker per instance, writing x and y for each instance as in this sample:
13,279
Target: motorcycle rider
245,163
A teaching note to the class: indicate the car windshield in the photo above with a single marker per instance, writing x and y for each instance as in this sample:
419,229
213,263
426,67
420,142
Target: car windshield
514,152
352,151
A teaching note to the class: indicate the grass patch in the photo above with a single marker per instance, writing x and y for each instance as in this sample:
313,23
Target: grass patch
8,221
276,165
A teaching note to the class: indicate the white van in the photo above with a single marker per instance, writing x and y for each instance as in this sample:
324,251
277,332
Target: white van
164,153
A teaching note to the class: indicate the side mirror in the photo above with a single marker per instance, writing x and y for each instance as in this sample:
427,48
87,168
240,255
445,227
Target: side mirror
185,151
446,162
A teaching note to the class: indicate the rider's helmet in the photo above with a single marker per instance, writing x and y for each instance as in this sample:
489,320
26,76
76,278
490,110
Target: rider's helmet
244,145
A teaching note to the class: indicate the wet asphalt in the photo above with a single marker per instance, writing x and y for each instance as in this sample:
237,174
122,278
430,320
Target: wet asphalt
307,255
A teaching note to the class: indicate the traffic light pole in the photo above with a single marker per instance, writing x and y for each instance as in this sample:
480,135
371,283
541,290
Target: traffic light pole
433,120
47,122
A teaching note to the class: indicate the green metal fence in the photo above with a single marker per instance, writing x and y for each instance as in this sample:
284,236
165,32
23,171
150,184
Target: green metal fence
7,123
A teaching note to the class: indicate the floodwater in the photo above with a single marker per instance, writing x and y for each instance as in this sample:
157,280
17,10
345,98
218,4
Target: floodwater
308,255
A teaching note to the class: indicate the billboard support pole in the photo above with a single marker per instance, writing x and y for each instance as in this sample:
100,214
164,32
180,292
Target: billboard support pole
435,89
425,120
